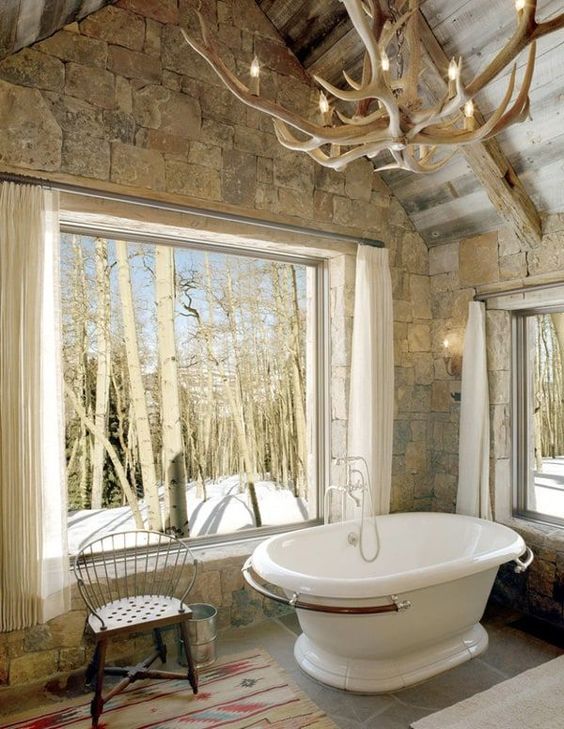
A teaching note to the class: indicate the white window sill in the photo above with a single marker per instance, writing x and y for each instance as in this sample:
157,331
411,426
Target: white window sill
225,550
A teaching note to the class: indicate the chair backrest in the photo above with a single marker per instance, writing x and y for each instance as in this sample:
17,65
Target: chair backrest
129,564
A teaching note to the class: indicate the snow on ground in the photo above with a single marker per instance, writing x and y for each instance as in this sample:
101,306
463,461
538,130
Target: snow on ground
548,492
225,510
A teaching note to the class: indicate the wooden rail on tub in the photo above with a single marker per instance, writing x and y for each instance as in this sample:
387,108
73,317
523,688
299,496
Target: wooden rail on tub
395,606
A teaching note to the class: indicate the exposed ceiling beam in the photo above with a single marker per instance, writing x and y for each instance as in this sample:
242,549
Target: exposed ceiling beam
490,165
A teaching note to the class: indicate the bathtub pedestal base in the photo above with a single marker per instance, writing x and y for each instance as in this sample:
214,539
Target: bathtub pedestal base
380,675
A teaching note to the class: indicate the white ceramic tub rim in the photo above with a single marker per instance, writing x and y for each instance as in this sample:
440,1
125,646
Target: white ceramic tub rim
355,588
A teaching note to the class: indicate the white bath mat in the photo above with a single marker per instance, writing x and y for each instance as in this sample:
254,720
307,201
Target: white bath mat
532,700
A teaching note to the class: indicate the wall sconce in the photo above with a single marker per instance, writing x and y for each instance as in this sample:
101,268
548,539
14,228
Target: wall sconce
453,361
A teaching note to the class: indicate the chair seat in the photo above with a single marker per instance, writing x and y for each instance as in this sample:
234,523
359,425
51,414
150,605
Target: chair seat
138,612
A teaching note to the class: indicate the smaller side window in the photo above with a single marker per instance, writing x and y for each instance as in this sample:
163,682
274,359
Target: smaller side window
538,412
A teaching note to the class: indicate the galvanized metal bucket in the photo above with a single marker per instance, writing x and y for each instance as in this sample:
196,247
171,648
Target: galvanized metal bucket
203,633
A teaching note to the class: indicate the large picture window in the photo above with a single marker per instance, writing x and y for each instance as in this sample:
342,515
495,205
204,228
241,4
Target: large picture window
191,380
538,411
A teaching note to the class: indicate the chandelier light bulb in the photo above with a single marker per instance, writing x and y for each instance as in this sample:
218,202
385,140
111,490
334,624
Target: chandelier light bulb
469,108
520,5
254,85
323,103
445,343
453,70
255,68
385,61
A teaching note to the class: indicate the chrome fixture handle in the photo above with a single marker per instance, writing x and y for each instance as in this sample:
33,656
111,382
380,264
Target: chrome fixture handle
521,565
401,604
395,606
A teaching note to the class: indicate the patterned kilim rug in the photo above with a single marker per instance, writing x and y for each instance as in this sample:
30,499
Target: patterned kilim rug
249,691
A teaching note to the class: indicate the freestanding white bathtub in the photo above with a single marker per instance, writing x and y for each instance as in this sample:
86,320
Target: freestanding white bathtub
431,579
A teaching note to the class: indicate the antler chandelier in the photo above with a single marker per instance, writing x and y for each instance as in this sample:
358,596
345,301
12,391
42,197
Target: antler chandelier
386,110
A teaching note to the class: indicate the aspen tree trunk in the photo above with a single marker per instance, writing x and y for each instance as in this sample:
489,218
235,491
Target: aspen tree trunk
100,436
558,322
132,441
546,394
80,324
197,463
298,400
204,441
537,413
102,370
243,408
285,418
123,441
72,457
235,404
139,402
174,472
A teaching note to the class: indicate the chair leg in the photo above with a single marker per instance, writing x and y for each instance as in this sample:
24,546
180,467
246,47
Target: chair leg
97,703
92,668
160,644
192,670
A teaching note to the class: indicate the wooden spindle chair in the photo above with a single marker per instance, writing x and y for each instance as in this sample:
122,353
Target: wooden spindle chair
130,582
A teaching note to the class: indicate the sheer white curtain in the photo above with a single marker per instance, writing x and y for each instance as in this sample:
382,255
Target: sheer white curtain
473,497
371,403
33,560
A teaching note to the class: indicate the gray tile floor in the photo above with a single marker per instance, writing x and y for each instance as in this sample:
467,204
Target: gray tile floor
510,652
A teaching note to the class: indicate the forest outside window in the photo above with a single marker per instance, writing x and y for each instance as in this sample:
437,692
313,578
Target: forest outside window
538,411
191,381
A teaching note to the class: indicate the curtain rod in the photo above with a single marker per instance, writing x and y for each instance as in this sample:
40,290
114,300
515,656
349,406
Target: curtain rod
520,290
178,208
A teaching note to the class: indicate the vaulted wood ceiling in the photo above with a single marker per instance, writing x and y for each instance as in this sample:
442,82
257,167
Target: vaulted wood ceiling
451,203
446,205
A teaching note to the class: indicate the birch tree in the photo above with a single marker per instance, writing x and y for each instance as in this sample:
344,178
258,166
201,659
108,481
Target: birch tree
173,466
138,399
233,398
103,364
80,313
100,437
297,380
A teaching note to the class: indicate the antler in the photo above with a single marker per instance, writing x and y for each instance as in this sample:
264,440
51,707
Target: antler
388,113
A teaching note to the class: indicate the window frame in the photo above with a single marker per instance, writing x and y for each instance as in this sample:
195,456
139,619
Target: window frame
520,374
268,251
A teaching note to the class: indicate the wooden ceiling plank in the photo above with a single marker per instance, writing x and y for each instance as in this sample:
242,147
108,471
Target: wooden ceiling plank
488,162
339,54
452,208
459,227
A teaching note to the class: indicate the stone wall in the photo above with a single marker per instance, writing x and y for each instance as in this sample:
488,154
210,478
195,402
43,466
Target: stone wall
120,99
456,271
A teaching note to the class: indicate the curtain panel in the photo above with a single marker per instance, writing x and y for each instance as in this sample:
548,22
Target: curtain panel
33,560
371,402
473,496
